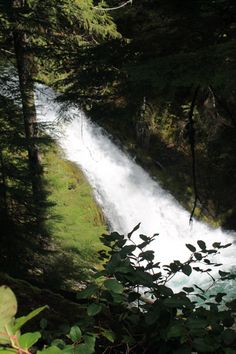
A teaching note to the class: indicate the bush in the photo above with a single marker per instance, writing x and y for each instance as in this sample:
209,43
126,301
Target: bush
129,308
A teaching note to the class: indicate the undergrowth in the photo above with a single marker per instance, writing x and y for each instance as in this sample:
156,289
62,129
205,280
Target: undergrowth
129,307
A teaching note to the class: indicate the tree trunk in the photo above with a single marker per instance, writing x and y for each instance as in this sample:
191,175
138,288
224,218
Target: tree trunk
25,64
3,189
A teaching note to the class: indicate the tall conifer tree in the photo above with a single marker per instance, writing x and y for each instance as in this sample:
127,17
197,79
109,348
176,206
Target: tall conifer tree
44,29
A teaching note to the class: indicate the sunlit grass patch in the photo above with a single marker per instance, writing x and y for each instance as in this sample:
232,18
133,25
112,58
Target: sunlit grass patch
76,220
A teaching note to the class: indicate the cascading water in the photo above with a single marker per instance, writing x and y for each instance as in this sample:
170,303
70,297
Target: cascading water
127,194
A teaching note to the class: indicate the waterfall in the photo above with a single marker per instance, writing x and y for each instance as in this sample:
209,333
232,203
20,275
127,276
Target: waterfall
127,194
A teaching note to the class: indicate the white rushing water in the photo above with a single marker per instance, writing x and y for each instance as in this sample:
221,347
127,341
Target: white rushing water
127,194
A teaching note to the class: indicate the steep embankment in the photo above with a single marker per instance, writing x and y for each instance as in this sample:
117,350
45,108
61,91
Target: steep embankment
80,221
75,220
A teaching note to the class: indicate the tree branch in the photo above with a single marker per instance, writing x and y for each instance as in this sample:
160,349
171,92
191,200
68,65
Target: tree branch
191,134
113,8
224,105
6,51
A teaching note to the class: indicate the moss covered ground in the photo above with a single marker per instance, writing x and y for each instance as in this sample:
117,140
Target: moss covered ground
78,221
75,220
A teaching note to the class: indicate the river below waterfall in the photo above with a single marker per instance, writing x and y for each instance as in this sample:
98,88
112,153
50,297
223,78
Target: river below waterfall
126,193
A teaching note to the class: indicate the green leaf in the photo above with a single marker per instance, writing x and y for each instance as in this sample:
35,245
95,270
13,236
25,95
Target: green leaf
228,321
134,229
216,244
68,349
52,350
4,338
207,261
88,292
195,323
186,269
127,250
142,278
201,244
75,333
133,296
223,274
175,302
144,238
176,331
8,351
58,343
198,256
165,290
114,286
201,345
22,320
88,347
174,267
142,245
211,251
197,269
156,276
8,306
147,255
219,297
8,309
188,290
227,245
108,334
201,296
232,305
27,340
228,336
190,247
94,309
117,298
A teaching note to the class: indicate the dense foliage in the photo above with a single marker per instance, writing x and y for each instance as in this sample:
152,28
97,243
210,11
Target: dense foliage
130,308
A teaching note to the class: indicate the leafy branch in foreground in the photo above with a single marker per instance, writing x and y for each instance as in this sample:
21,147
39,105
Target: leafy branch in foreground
12,341
144,315
129,307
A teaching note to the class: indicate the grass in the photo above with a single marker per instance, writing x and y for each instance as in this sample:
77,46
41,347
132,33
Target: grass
76,222
62,244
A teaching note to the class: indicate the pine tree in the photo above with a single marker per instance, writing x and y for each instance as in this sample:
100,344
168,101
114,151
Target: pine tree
45,30
33,33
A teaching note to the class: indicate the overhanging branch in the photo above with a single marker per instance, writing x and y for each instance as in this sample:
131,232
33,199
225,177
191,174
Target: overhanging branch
113,8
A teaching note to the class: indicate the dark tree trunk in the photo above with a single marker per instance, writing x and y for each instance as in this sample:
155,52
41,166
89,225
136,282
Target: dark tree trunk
3,189
25,66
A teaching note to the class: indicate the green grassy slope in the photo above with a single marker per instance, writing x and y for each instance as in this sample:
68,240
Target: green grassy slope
75,220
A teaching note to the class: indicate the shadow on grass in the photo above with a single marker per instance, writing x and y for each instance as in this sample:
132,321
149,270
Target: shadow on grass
27,249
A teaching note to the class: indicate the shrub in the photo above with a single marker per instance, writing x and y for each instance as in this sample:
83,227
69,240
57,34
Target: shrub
129,308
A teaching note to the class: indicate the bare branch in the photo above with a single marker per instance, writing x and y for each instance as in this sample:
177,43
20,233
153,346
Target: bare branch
191,134
6,51
113,8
